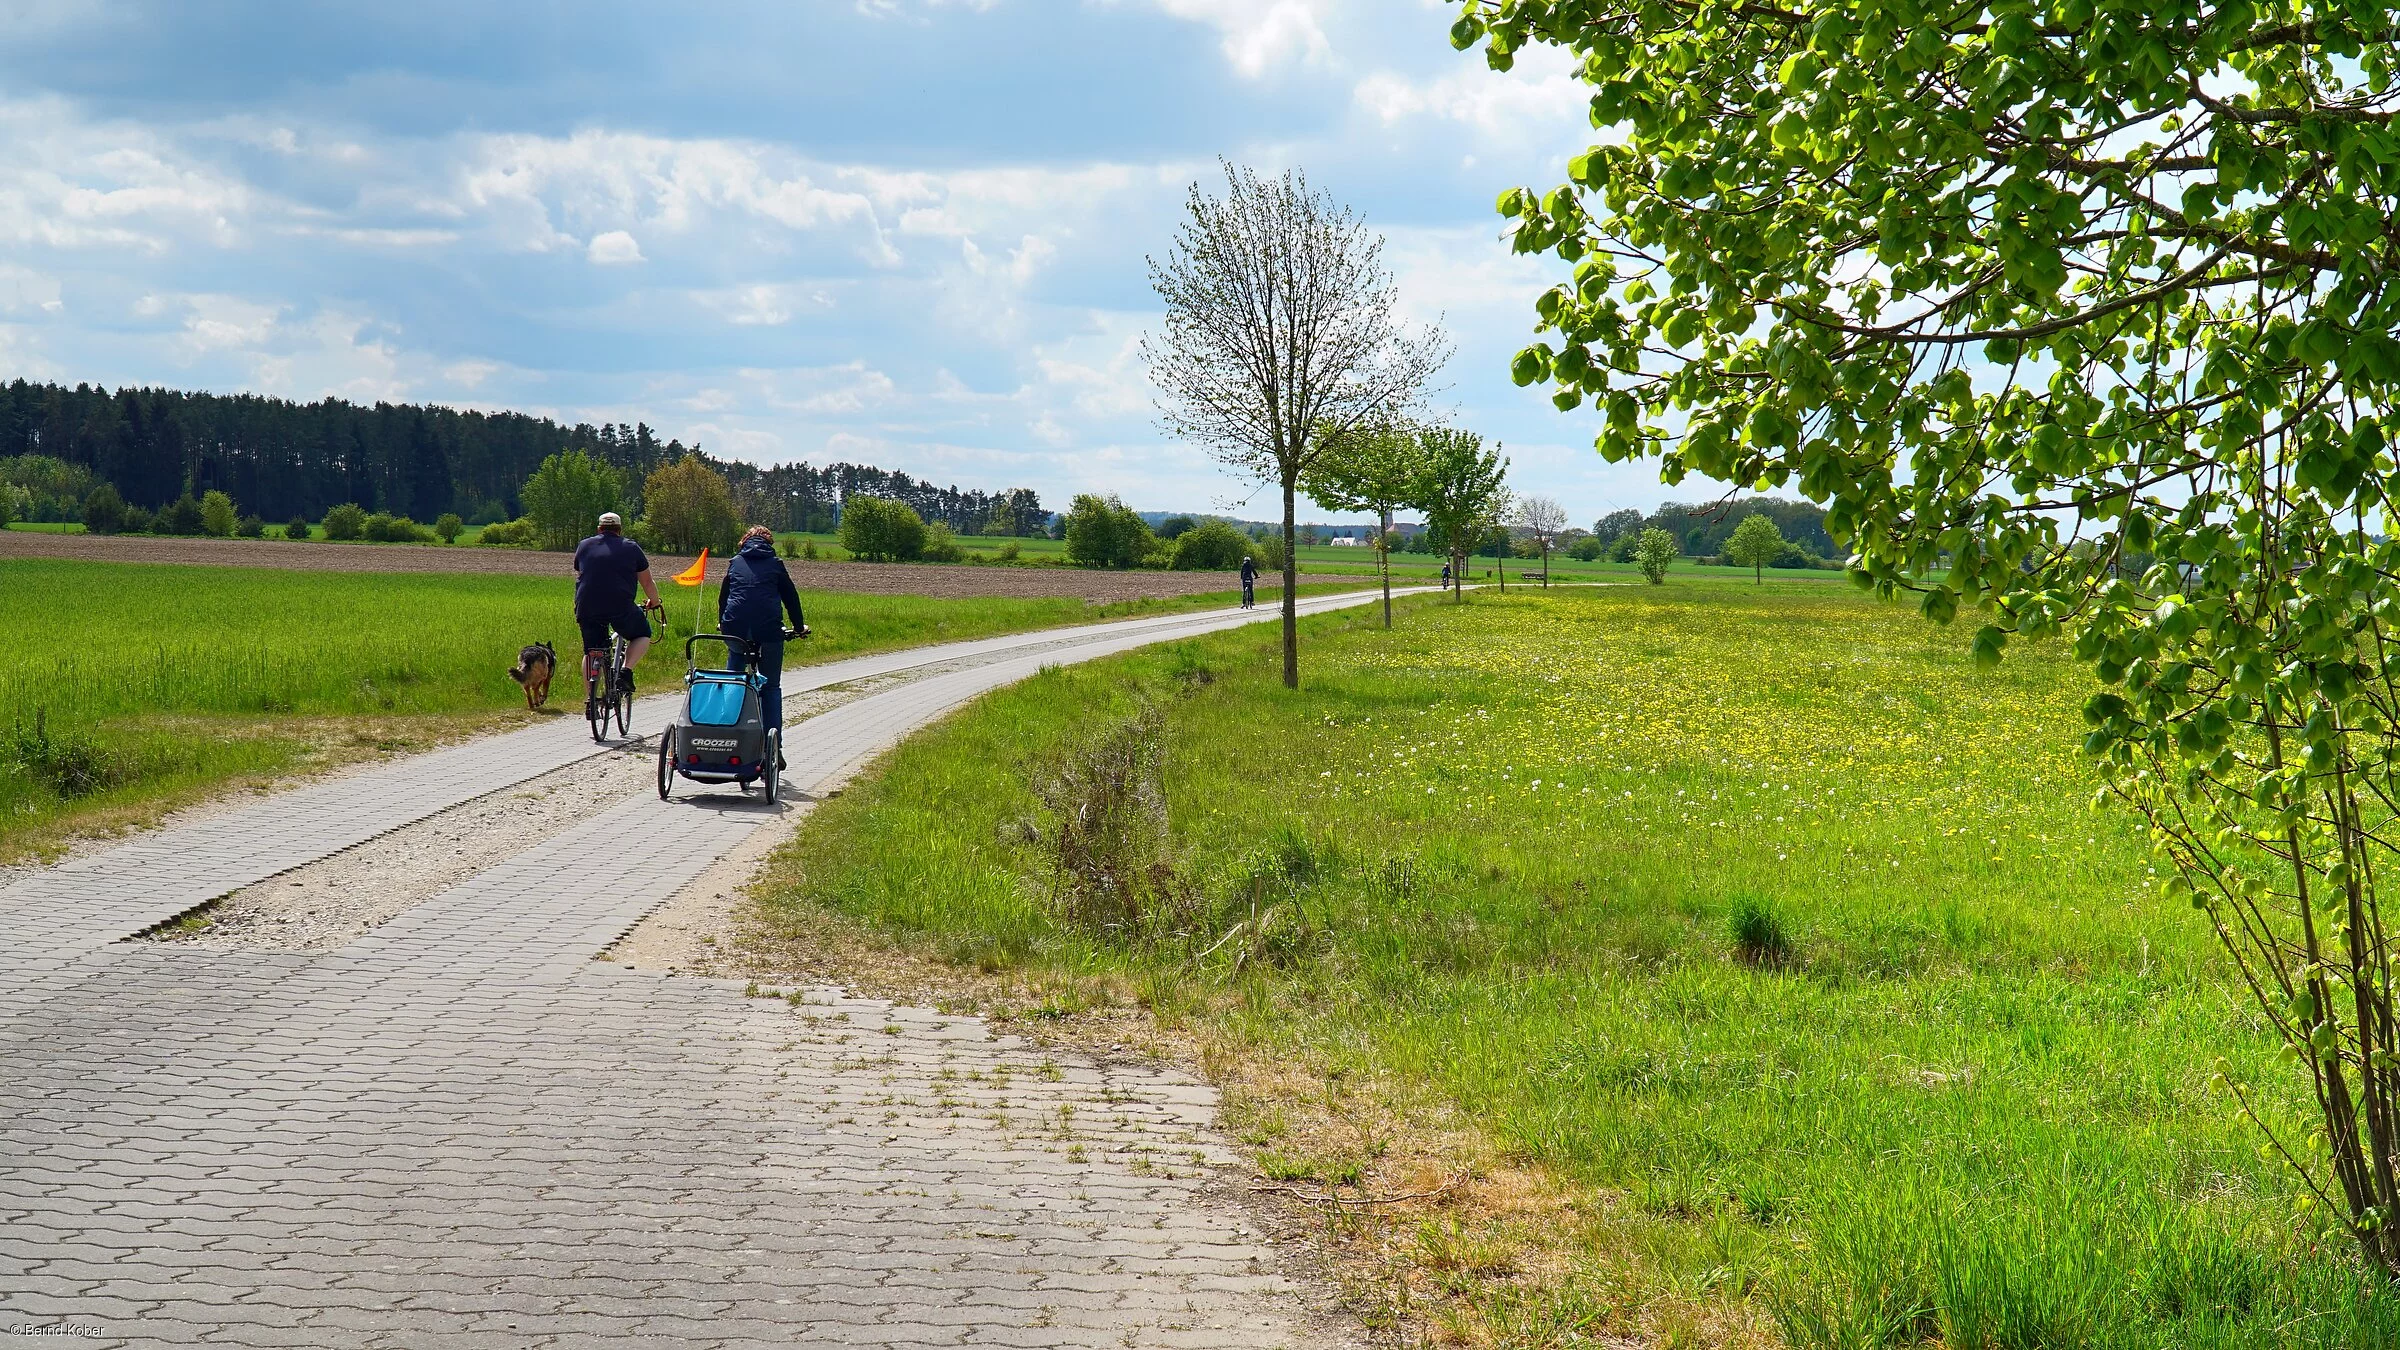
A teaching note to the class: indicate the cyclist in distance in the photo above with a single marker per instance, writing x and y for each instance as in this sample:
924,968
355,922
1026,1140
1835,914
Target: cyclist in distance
1249,584
608,568
751,601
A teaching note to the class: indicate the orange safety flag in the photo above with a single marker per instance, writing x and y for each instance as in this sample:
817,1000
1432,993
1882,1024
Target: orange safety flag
696,574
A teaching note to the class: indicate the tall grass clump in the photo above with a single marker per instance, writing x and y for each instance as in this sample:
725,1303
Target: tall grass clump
1757,931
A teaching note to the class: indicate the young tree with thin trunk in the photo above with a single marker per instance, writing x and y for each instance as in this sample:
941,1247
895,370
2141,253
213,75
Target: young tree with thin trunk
1755,543
1459,485
1373,469
1542,519
1281,337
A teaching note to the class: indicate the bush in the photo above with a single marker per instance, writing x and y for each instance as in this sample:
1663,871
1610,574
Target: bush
1105,532
386,528
251,527
1010,552
511,534
181,517
1266,548
449,527
217,517
296,528
1588,549
878,529
1212,546
941,545
1108,834
346,521
104,510
1655,552
1793,557
138,520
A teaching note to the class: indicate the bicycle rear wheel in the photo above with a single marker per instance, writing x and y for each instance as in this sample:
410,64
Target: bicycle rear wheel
595,710
666,763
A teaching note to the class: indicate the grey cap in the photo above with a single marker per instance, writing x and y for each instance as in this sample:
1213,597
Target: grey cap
608,518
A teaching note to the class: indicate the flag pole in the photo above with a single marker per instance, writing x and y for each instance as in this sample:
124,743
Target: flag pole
696,575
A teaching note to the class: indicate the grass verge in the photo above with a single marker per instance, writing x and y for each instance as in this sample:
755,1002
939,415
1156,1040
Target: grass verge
1718,964
130,688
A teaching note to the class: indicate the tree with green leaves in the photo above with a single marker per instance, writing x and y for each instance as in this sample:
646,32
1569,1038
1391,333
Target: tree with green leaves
690,506
878,529
103,510
1755,543
1459,489
1105,532
217,516
1996,282
1373,469
1654,552
565,498
1282,335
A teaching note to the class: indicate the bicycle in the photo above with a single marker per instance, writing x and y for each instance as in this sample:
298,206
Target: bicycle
604,692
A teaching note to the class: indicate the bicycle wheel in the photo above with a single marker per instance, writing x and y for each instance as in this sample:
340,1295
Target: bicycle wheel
666,763
771,782
594,709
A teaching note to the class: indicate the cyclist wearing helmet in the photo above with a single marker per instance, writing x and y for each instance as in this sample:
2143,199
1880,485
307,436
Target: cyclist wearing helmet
608,568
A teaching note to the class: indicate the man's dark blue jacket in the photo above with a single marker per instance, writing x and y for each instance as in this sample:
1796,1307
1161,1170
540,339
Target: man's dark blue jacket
755,592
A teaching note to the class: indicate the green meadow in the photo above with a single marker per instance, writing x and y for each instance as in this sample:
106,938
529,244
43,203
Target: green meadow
125,687
1782,943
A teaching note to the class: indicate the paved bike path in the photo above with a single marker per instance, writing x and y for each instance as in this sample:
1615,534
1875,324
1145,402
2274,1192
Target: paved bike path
460,1130
50,918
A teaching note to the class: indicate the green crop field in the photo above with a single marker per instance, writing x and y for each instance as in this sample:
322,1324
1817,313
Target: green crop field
127,686
1783,941
1345,560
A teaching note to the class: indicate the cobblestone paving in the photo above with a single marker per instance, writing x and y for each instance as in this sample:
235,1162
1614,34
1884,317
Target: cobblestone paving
459,1130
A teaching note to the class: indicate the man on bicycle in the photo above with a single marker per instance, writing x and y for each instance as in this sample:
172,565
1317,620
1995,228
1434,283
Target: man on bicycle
608,567
751,602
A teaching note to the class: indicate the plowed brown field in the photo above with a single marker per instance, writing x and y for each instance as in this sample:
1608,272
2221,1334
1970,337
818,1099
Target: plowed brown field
948,581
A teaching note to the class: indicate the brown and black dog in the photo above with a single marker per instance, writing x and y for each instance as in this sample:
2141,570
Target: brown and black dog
535,665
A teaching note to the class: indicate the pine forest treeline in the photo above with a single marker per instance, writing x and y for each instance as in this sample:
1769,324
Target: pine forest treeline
281,459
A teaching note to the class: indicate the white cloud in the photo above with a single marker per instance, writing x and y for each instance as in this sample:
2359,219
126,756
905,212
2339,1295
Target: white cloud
613,247
1537,104
764,304
1259,35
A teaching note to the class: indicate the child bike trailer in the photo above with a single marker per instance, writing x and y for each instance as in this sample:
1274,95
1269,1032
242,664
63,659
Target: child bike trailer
721,734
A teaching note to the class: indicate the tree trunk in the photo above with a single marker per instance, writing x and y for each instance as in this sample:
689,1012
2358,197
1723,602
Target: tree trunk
1383,556
1291,590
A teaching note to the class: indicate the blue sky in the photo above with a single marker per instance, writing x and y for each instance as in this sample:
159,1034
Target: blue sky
901,232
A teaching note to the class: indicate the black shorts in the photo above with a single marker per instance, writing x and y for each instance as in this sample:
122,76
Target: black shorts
629,621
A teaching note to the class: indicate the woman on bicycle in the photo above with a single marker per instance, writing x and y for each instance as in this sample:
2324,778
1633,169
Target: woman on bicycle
751,601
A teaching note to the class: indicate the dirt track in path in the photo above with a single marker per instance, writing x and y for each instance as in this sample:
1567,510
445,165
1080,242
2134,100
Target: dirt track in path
947,581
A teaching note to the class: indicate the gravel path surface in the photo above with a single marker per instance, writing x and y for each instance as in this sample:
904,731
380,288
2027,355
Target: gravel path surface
934,579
